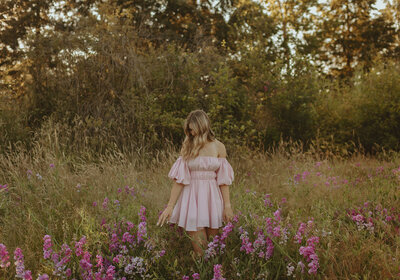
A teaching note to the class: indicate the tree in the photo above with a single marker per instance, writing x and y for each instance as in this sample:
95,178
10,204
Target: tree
351,36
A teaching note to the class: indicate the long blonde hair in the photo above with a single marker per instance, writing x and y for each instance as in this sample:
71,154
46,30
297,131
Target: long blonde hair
203,134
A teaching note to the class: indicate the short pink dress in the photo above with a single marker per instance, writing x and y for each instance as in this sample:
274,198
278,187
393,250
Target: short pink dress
200,203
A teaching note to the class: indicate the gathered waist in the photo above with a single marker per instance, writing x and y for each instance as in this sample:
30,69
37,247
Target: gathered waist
203,175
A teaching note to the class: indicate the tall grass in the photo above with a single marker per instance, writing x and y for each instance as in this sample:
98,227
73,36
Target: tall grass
51,193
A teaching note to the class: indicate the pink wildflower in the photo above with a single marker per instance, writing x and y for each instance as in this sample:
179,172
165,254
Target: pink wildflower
4,256
218,272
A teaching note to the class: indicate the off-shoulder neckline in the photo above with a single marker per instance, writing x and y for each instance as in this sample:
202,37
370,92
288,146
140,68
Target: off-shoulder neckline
206,157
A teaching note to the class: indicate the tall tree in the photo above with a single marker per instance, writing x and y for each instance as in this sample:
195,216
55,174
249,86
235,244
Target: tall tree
351,36
294,19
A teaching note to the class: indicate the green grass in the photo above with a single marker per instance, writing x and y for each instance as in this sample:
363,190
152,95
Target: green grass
54,205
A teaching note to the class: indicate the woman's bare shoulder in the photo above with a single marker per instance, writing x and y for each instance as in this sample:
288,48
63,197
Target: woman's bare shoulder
221,148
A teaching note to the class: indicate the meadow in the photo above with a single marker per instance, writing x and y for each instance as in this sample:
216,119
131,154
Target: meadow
298,215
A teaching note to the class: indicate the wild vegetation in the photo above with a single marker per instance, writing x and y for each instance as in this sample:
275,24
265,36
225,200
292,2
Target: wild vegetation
305,95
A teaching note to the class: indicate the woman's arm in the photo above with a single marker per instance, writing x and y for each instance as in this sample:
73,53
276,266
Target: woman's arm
225,195
175,192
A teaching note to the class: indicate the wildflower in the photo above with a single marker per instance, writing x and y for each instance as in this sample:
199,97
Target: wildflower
86,266
277,231
78,187
29,173
116,202
105,202
114,244
309,253
4,187
267,200
94,203
218,272
39,176
142,231
290,269
142,213
299,235
47,247
246,244
79,245
43,277
110,273
185,277
20,266
99,265
4,256
51,165
277,215
196,276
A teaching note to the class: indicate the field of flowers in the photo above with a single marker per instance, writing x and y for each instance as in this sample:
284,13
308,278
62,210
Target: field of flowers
296,216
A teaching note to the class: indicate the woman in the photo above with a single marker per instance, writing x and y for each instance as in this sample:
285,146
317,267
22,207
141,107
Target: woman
201,178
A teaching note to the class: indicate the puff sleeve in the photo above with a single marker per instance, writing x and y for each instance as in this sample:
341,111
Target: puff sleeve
180,172
225,174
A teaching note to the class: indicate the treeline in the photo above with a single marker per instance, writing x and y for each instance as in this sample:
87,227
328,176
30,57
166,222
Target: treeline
106,75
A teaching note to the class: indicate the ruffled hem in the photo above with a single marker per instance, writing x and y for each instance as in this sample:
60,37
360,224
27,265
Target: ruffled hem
180,172
198,206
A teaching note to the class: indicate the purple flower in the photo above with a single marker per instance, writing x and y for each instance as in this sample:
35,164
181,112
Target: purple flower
309,253
4,256
19,263
218,272
51,165
196,276
110,273
86,266
246,244
4,187
79,245
142,213
114,244
47,247
142,232
43,277
105,202
185,277
277,215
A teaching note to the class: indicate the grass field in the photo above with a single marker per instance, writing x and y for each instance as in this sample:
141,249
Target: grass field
297,215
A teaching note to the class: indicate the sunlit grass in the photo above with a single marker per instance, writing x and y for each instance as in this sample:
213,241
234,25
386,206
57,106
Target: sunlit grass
68,198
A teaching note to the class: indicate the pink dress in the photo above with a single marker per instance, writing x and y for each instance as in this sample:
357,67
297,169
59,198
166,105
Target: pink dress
200,203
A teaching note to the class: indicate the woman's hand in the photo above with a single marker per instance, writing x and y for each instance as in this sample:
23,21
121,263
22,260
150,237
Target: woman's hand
165,215
227,214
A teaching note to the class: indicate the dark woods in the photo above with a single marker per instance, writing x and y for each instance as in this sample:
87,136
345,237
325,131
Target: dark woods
122,75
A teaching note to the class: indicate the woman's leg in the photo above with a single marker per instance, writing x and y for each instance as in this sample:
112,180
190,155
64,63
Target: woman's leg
199,240
211,232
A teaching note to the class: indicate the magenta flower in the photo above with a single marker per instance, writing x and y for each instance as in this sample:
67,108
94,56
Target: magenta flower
218,272
47,250
185,277
79,246
4,256
20,266
196,276
105,202
142,213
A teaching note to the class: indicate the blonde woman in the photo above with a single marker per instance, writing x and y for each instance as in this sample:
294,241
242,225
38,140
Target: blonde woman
200,190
